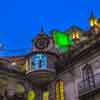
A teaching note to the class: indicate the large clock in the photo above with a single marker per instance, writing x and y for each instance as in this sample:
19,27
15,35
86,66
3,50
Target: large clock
42,41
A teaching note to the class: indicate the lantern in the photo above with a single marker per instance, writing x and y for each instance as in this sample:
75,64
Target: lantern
76,35
93,21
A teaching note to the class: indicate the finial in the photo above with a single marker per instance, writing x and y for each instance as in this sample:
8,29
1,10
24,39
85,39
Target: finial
93,20
42,30
92,14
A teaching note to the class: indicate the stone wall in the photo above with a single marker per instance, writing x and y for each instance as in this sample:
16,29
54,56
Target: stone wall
73,78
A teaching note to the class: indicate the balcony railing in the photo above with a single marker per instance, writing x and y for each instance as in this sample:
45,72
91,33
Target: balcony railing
85,87
49,68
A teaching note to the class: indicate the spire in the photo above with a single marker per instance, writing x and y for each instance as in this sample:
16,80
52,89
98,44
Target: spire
42,30
93,20
92,15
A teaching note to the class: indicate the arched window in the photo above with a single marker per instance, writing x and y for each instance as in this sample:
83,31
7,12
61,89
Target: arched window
88,76
40,61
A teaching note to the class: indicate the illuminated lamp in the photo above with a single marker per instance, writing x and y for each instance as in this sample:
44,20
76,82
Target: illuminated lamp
93,21
62,39
13,64
76,35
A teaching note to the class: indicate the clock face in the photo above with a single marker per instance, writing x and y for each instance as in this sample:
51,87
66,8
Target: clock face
42,42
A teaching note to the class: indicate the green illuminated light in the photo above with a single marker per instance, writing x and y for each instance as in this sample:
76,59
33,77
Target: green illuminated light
61,38
62,41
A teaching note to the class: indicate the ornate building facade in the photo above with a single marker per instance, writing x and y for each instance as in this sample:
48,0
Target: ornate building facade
61,66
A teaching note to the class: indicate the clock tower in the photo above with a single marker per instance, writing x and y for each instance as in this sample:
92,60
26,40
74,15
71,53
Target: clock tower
42,60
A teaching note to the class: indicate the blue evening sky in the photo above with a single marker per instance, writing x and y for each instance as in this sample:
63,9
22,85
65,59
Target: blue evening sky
21,20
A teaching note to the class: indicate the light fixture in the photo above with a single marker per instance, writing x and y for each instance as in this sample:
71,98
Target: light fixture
76,35
62,41
93,21
13,64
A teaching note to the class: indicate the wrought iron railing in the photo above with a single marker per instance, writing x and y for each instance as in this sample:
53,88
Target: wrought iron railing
49,68
86,87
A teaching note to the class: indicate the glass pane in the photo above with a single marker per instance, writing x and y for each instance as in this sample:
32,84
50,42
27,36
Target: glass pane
44,61
36,61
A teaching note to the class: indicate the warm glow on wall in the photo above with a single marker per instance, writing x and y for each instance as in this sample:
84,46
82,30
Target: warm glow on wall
57,91
20,89
22,67
96,29
46,95
95,21
99,25
31,95
60,90
13,64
